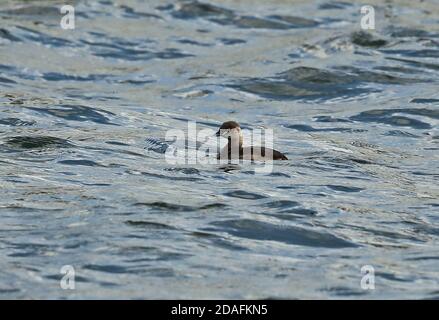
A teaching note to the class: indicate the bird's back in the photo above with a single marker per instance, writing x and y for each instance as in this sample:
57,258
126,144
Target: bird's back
260,153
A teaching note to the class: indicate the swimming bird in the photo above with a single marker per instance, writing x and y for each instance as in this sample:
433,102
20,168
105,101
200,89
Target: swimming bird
232,131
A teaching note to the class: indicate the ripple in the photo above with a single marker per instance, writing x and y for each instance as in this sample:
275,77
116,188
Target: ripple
27,34
293,213
58,278
223,16
156,145
417,64
194,43
366,39
344,188
149,225
231,41
282,204
15,122
330,119
37,142
403,32
184,170
244,195
6,34
345,291
77,113
424,100
6,80
162,176
217,241
137,54
430,53
363,76
335,5
55,76
307,128
289,210
165,206
32,10
129,49
129,12
312,83
195,9
255,23
81,162
256,230
107,268
295,22
386,116
400,133
392,277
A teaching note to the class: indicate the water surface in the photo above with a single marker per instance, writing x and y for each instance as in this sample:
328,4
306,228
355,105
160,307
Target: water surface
83,176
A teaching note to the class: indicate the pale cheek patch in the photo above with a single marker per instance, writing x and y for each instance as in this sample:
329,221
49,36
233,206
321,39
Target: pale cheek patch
225,132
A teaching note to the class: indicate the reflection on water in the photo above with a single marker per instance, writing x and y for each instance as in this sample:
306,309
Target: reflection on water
83,176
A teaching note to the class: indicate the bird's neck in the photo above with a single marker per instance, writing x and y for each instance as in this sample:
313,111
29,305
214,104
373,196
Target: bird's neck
235,141
233,147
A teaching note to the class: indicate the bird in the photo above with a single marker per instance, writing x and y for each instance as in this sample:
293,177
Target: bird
234,149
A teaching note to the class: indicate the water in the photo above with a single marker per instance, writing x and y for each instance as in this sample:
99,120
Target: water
83,176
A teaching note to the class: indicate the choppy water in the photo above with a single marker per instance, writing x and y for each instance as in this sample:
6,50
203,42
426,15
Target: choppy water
83,116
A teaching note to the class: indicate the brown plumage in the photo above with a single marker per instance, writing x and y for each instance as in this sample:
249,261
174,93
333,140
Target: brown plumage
232,131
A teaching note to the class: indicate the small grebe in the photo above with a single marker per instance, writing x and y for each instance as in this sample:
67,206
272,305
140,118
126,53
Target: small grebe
232,131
